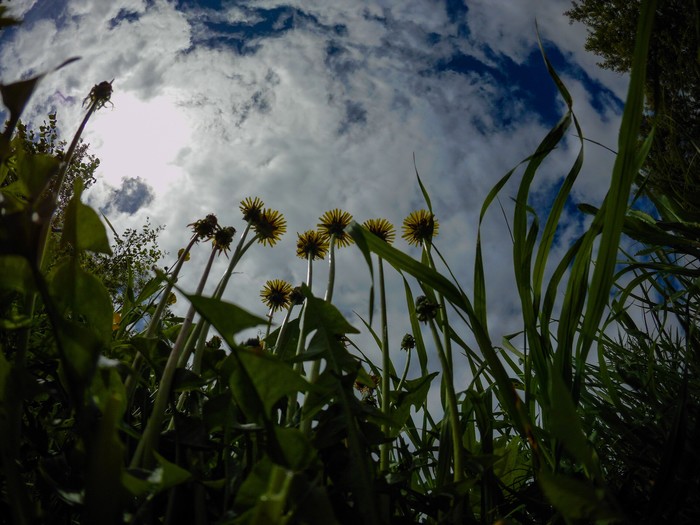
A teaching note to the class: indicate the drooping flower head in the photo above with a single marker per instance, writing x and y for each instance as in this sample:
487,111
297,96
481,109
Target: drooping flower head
251,208
99,95
223,237
205,228
333,223
270,227
426,309
408,342
382,229
276,294
297,296
420,227
312,244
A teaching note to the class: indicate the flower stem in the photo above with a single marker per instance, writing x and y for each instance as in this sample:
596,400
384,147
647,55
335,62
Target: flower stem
452,409
331,270
385,448
153,324
149,441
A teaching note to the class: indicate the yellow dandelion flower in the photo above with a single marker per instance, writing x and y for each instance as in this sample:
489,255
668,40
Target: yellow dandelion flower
270,227
311,244
251,208
180,252
419,227
334,222
382,229
276,294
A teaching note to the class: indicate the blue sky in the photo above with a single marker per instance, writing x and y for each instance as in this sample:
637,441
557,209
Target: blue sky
317,105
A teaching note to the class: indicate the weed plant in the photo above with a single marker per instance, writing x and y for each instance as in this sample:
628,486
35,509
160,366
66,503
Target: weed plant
119,412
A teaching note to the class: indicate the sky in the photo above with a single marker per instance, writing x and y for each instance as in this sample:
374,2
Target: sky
316,105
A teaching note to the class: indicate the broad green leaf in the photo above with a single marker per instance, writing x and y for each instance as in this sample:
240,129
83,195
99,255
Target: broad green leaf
80,350
166,475
83,296
169,474
83,228
565,425
186,380
227,318
35,171
576,499
271,380
103,501
16,274
218,412
151,287
296,448
254,485
414,396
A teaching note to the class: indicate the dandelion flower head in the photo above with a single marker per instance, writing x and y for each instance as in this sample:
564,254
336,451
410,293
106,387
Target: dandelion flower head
312,245
382,229
276,294
333,223
251,208
270,227
420,227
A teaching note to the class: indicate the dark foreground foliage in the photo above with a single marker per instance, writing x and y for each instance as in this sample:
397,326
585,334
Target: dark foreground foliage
113,410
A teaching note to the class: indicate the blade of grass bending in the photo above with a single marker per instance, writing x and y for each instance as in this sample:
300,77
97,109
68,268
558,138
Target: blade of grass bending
373,333
426,196
627,165
428,276
415,328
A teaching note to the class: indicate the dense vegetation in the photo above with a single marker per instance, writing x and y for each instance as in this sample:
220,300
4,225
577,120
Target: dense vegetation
113,410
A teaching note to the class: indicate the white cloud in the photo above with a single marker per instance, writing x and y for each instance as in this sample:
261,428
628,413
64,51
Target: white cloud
206,126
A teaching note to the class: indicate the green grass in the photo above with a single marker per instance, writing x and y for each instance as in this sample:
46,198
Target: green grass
106,419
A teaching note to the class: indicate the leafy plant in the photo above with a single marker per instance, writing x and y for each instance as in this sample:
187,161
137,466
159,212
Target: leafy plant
116,411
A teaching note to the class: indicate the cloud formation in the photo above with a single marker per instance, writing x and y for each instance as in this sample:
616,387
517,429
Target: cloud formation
314,105
133,195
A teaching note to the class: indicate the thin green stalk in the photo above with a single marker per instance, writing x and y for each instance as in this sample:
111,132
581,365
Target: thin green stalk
240,250
152,330
283,328
385,448
316,364
299,366
149,440
310,272
452,407
399,386
196,342
331,270
445,355
270,314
